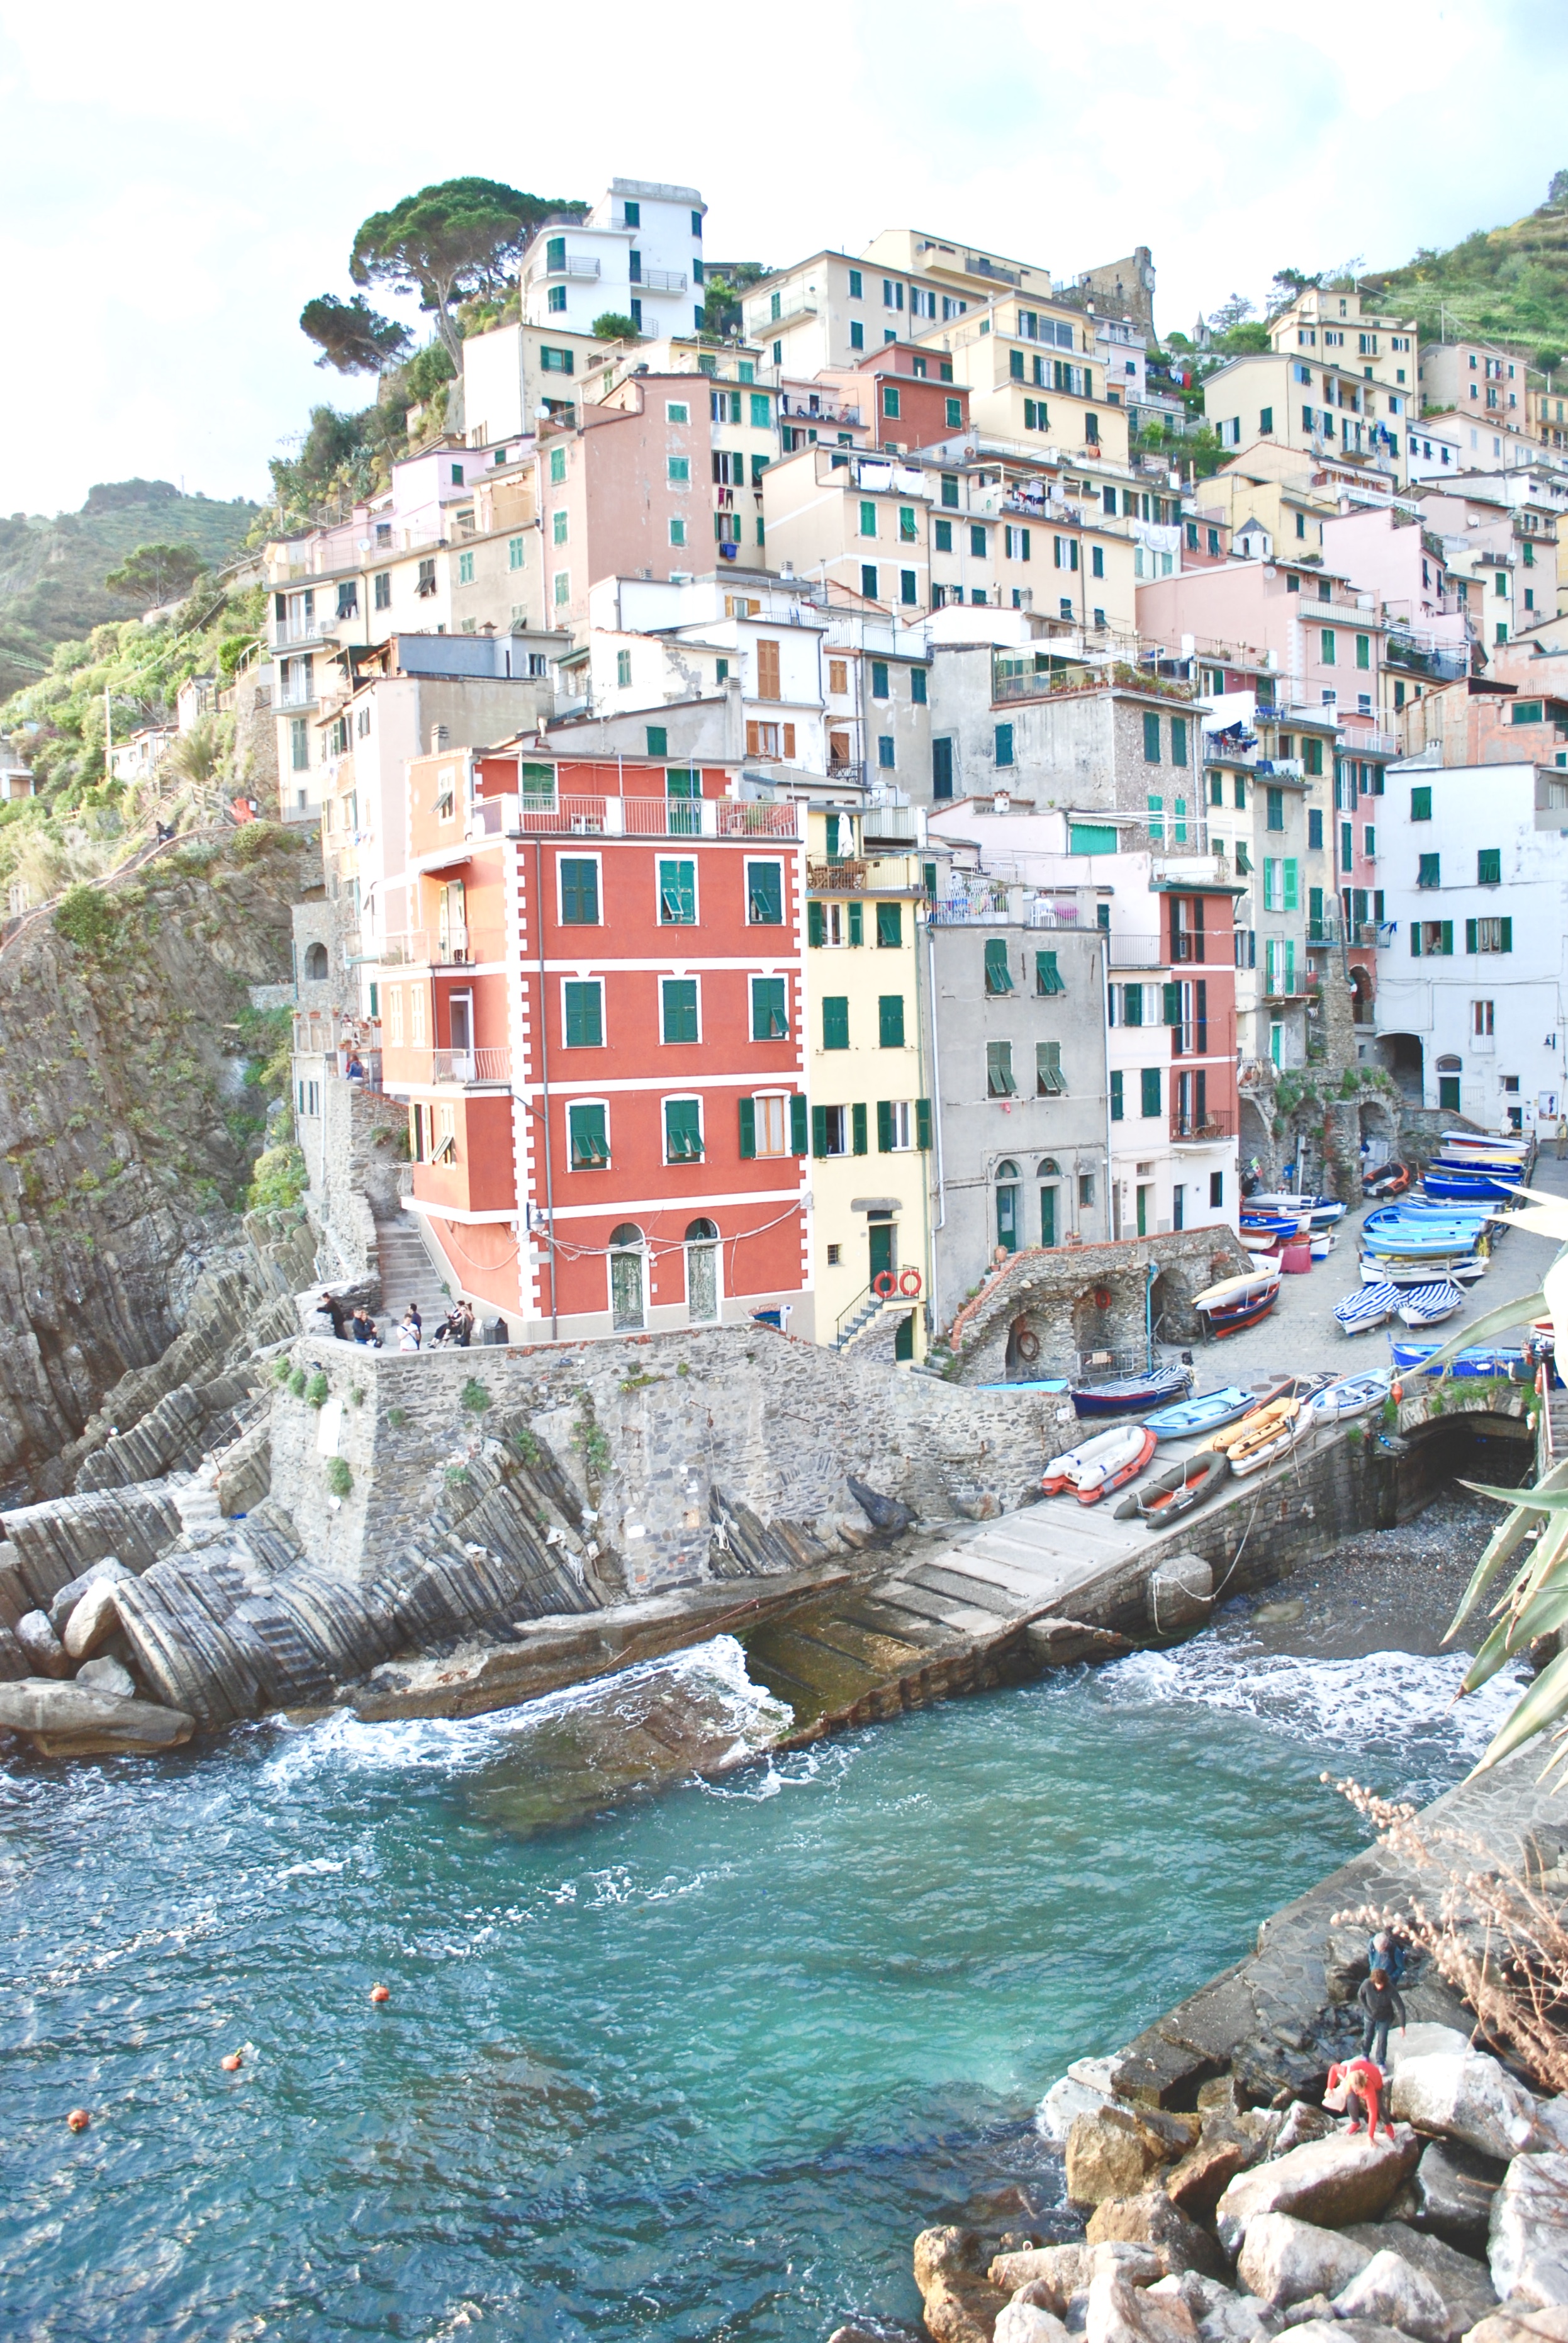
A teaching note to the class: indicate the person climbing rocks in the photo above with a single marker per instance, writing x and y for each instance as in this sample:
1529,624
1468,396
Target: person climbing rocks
1380,2001
1386,1953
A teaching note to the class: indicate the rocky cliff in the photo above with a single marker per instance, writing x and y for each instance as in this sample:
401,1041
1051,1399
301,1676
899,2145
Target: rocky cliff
126,1126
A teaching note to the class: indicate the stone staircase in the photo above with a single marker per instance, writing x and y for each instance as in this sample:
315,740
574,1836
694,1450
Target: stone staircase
407,1272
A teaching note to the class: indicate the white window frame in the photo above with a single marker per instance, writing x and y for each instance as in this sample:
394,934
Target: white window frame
394,1015
902,1113
565,854
846,1128
678,977
680,1098
764,1103
834,916
417,997
677,410
603,1042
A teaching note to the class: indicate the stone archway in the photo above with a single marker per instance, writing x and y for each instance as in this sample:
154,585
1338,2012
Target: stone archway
1026,1348
1091,1320
1255,1139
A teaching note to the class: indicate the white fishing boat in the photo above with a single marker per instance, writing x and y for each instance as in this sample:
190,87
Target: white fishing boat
1095,1464
1352,1396
1427,1305
1371,1305
1323,1241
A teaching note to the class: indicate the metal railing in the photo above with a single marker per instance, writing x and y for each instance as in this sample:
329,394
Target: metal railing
1195,1130
1052,684
662,280
631,817
1137,951
468,1067
457,947
574,265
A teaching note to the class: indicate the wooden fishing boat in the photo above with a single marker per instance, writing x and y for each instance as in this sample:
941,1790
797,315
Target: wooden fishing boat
1480,1363
1127,1394
1106,1452
1464,1183
1238,1302
1107,1473
1258,1423
1352,1396
1428,1305
1203,1413
1370,1306
1271,1436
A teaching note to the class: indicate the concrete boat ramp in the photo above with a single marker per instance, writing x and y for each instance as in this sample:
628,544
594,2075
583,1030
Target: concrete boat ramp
1057,1583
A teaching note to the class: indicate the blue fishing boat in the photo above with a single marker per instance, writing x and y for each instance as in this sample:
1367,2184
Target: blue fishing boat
1204,1412
1352,1396
1154,1386
1463,1183
1480,1363
1372,1305
1427,1305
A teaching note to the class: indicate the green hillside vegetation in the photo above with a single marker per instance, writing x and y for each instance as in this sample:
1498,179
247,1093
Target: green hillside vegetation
1502,284
53,572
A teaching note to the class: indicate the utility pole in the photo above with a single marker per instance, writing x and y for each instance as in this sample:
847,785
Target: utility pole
108,735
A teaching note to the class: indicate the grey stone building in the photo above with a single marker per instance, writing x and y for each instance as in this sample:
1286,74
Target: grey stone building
1014,1005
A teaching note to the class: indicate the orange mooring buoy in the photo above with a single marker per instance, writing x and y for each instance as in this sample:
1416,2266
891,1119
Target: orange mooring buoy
78,2119
233,2063
1397,1394
380,1993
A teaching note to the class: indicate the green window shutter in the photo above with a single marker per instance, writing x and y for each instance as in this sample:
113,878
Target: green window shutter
1315,908
683,1131
1447,944
1415,940
1117,1108
769,1014
1151,738
765,894
998,975
858,1127
924,1124
836,1022
587,1138
761,411
890,924
814,925
890,1020
1178,739
819,1131
1133,1004
1421,804
884,1126
580,893
657,740
1004,745
955,415
868,519
1149,1080
1047,975
1171,1004
1470,935
1507,927
676,893
1292,884
1489,867
585,1022
798,1123
857,923
748,1129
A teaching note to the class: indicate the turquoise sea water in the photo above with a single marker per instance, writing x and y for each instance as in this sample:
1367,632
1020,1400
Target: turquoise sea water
696,2065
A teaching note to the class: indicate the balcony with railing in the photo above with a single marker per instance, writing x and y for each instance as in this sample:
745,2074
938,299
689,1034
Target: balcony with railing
1192,1129
457,946
662,280
1358,741
812,409
1137,951
594,816
1071,676
479,1068
575,264
298,630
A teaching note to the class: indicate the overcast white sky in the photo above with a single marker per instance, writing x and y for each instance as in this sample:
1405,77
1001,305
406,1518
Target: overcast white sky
175,180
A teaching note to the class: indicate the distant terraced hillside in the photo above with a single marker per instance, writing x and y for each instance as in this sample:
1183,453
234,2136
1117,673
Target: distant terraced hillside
52,572
1503,283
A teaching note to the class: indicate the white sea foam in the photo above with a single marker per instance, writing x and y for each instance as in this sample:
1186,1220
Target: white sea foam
321,1863
1380,1700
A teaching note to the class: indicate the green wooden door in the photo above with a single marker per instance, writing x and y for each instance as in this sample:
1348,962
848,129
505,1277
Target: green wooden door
881,1243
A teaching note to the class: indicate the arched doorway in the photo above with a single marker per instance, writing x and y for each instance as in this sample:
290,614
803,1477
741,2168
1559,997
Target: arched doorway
1405,1060
1007,1178
1449,1070
1091,1320
1048,1171
702,1287
315,963
628,1283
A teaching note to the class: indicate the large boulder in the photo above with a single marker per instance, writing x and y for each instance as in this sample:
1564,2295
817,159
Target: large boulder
960,2305
1054,2274
1120,2313
1528,2249
92,1621
75,1720
1151,2219
1467,2097
1206,2171
1345,2178
1452,2191
1515,2322
1026,2322
1464,2283
65,1599
1389,2290
1111,2151
1424,2041
41,1647
1222,2315
1284,2260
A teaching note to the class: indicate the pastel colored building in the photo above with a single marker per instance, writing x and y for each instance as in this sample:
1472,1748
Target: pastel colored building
638,255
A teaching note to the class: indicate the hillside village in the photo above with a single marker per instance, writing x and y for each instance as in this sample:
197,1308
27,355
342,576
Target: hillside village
951,655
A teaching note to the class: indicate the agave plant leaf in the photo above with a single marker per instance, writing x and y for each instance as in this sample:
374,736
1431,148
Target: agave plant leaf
1538,1500
1547,1609
1491,1322
1541,1704
1503,1541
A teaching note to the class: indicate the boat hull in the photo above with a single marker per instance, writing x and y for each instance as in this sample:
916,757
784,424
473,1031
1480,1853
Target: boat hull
1132,1395
1241,1314
1091,1493
1191,1418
